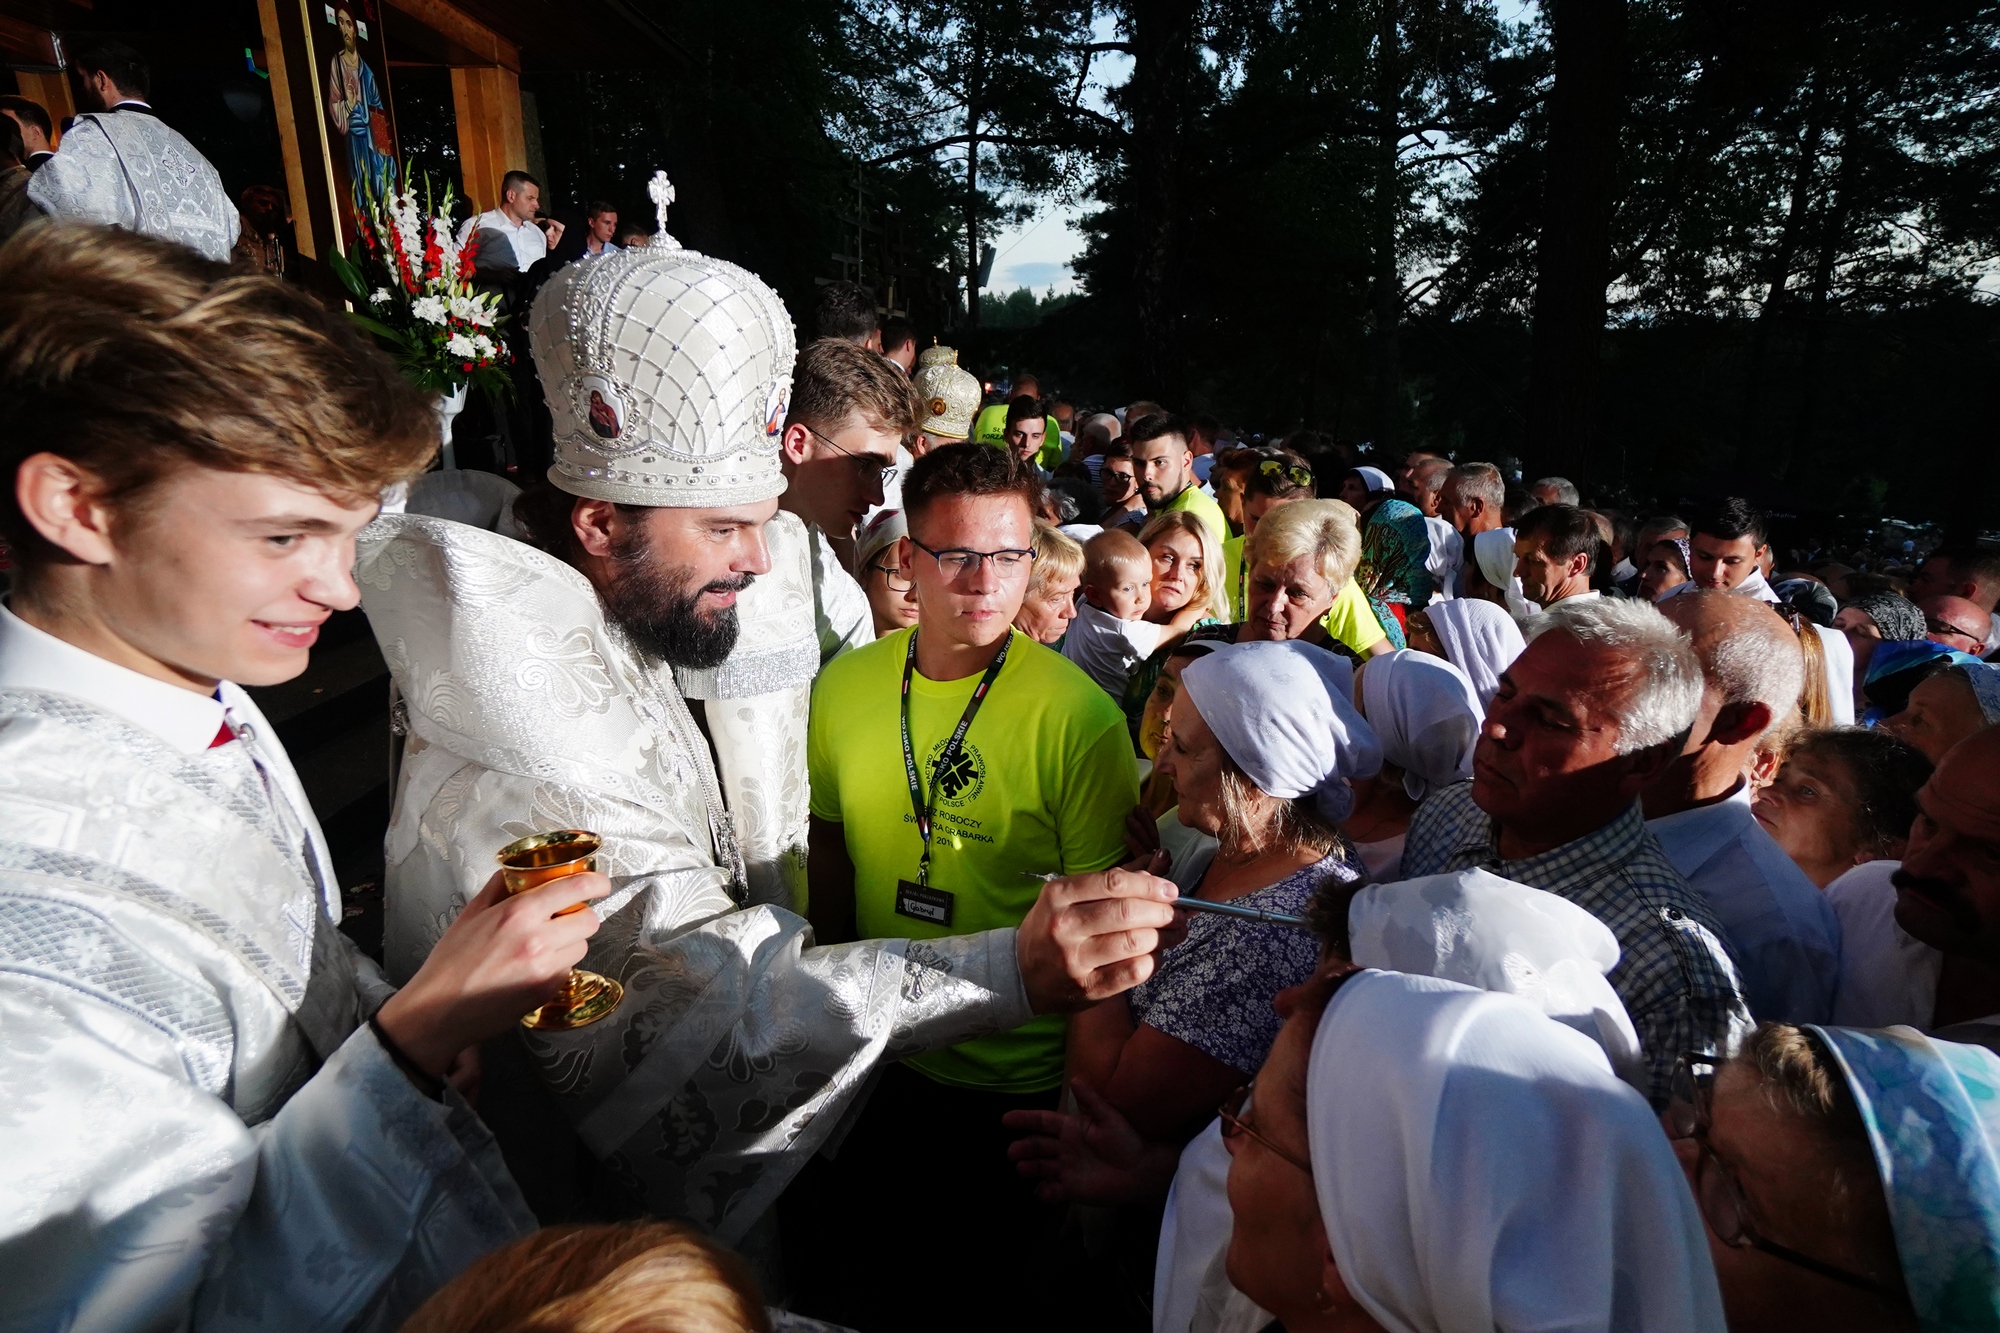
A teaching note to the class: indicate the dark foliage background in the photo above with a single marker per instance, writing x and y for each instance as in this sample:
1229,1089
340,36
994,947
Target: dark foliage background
1662,245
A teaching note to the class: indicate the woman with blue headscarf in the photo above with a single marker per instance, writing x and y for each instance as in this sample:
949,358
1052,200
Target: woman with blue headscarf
1848,1178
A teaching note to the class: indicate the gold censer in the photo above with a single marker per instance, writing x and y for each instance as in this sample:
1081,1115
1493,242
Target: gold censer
531,862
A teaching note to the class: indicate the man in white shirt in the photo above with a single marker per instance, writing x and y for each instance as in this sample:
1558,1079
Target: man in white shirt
1556,554
1777,924
1471,500
1727,542
850,410
120,164
520,199
213,1100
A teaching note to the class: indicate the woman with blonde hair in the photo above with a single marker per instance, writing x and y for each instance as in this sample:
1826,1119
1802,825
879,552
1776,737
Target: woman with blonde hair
637,1277
1187,566
1052,580
1188,569
1301,582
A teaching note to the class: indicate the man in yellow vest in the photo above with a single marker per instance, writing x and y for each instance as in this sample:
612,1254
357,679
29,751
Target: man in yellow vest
1165,466
991,427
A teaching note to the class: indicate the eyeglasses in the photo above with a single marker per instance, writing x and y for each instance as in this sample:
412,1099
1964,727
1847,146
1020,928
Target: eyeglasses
868,465
1932,625
892,575
956,563
1690,1104
1291,472
1231,1112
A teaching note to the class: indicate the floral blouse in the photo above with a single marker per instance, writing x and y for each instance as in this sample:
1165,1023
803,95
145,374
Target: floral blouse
1214,990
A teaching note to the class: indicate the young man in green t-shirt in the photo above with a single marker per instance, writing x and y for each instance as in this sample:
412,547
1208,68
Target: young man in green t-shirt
1159,446
1039,781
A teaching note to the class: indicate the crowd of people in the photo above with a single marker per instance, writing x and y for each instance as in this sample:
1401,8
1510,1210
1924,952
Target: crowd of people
1060,868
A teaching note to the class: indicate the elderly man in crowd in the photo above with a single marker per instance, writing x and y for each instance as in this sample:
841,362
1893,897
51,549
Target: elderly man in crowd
1426,484
1590,715
1966,572
1556,491
1957,623
1777,923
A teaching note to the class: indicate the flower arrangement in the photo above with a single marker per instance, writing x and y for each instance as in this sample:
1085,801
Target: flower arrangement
412,287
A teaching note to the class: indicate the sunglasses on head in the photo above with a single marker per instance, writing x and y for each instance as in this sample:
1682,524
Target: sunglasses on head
1291,472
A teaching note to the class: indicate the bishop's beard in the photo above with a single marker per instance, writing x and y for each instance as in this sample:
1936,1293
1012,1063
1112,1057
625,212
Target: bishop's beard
658,608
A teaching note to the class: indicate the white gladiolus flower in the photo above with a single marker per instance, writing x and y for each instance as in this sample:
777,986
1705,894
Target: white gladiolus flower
430,309
381,296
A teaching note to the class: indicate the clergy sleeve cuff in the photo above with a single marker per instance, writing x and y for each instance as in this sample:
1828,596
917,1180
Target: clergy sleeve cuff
957,988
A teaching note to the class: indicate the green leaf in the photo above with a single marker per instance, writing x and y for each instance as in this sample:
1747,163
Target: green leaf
379,329
350,276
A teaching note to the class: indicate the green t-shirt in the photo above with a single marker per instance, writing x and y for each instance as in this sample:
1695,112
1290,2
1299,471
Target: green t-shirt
991,428
1048,786
1352,620
1201,504
1233,575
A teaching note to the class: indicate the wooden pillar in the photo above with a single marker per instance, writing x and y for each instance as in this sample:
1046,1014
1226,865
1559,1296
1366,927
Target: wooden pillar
491,143
312,234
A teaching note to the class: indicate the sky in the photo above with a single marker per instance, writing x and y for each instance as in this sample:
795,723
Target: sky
1038,253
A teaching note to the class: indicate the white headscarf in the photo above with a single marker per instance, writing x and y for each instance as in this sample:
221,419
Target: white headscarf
1284,713
1425,713
1471,927
1478,929
1376,480
1493,552
1479,1168
1839,674
1479,639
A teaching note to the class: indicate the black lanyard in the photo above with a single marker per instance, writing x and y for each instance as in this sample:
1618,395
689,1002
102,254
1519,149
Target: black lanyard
948,756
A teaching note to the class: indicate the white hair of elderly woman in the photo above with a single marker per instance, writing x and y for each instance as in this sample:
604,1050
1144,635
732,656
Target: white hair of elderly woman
1665,694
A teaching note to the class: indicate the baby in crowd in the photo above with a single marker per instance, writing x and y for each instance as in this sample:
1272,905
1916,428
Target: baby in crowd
1110,635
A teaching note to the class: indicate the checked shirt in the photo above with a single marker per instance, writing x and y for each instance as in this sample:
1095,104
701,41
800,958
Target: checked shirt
1674,974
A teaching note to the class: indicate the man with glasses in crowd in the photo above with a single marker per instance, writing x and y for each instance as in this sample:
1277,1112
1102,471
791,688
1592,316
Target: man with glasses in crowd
849,411
953,765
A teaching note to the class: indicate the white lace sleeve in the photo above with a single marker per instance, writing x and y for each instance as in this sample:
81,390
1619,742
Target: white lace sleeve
132,1199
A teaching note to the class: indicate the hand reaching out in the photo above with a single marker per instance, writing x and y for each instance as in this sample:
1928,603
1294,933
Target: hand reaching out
1092,1156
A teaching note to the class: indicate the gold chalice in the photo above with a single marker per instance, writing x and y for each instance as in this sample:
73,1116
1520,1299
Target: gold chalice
530,862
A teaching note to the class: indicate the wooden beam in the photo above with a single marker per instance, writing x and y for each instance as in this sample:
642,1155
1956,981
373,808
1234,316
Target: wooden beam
491,141
288,129
456,26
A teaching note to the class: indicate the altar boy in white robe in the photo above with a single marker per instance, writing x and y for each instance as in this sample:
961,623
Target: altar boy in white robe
214,1112
546,686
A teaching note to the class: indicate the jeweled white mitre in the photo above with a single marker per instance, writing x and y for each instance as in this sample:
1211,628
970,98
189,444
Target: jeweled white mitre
668,373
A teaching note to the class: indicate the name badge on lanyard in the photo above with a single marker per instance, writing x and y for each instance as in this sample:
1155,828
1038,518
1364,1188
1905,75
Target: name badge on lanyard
925,904
916,898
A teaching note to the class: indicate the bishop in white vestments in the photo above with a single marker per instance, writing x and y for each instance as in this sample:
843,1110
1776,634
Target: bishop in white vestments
541,697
